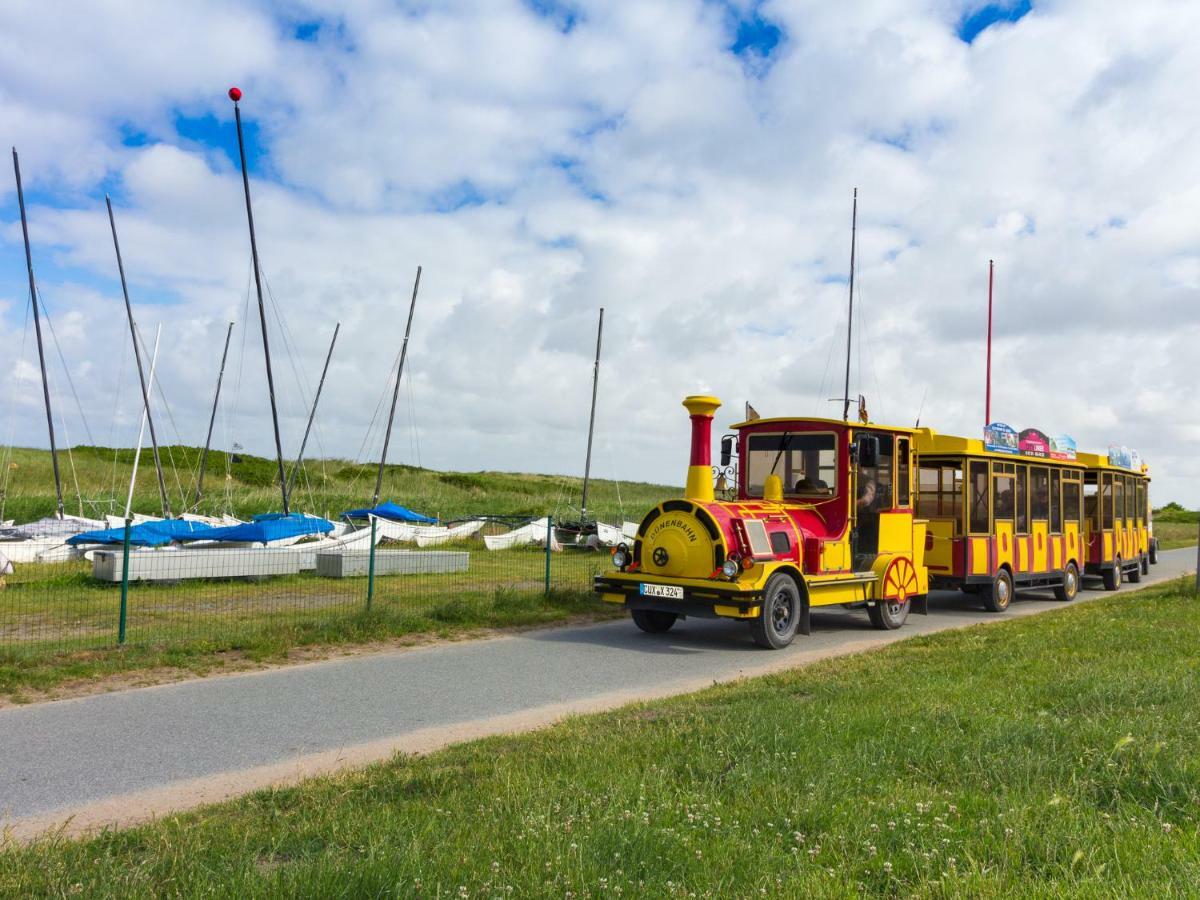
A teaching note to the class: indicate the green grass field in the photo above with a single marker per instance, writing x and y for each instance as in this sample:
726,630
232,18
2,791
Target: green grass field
328,487
1176,527
1051,756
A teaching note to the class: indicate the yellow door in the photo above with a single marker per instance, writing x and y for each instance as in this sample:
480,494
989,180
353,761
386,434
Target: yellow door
1005,552
1040,541
1073,550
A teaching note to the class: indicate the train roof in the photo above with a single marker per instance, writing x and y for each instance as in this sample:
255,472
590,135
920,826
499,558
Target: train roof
1100,461
841,423
933,443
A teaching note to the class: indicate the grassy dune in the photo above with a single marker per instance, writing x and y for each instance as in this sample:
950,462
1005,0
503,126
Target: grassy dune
250,485
1049,756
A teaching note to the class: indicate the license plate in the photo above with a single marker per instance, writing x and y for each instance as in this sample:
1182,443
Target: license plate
669,591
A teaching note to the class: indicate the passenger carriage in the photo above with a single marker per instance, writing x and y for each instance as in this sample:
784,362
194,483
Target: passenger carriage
999,522
1120,545
821,515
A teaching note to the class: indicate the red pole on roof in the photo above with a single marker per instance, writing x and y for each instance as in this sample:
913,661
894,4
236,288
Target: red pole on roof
987,409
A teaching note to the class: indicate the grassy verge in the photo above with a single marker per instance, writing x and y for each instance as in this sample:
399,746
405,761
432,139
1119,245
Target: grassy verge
1047,756
59,626
1173,535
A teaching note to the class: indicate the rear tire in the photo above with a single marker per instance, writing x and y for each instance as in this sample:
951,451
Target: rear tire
653,621
1153,552
1145,564
779,615
1135,574
1112,577
1067,591
888,615
998,595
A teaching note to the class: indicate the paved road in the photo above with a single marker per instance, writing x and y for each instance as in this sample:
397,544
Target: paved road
118,757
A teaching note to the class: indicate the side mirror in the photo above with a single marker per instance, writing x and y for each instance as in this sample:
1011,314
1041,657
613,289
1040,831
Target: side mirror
868,450
726,450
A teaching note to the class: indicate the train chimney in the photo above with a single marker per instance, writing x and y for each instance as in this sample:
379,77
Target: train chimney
699,477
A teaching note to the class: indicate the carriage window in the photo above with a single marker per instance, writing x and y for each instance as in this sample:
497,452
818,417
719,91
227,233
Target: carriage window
939,492
1119,501
1022,500
1039,493
1071,500
1055,502
1106,501
1129,501
807,464
1002,499
903,496
1141,501
980,523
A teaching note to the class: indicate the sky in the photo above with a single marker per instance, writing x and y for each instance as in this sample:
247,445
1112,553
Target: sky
686,164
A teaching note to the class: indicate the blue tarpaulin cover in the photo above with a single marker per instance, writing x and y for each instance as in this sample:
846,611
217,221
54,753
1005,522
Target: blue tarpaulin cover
389,510
146,534
268,527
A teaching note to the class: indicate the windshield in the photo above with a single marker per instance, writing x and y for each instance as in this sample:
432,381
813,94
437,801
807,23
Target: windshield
805,462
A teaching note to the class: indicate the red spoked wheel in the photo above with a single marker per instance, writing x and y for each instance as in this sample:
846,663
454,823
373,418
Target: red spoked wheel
900,585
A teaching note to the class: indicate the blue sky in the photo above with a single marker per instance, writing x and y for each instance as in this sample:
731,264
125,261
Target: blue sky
687,165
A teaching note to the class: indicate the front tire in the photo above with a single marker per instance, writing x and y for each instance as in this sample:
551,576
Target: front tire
1112,577
653,621
779,615
998,595
888,615
1069,588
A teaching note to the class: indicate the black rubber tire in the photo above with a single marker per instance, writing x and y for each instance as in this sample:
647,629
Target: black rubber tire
1145,564
1134,575
1069,589
998,595
779,614
888,615
1112,577
653,621
1153,552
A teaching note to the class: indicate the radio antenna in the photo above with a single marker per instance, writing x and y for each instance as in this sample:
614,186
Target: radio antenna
921,408
850,315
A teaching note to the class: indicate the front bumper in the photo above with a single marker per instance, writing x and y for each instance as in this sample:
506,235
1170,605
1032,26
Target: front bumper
703,599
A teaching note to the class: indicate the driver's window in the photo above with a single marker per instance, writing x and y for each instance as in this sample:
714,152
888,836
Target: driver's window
875,487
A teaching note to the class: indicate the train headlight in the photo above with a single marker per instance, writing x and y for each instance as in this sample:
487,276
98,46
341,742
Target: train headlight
620,556
731,568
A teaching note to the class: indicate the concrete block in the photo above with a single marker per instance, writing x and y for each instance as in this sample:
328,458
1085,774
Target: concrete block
356,563
181,565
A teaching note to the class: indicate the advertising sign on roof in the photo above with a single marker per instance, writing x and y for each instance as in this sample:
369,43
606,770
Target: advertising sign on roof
1062,446
1124,457
1034,443
999,438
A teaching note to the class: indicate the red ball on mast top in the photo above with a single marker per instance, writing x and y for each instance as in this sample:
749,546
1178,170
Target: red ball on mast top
235,94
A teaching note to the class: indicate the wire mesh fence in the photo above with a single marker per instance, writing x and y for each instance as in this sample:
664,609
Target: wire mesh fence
221,595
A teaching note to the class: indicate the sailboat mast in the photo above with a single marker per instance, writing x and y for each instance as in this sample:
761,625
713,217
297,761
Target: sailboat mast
142,430
387,435
137,355
850,316
235,94
212,418
587,463
313,413
37,326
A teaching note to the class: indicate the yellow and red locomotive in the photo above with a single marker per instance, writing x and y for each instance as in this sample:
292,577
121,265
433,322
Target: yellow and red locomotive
822,516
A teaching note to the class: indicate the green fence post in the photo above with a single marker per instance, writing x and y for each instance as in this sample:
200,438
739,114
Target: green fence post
549,542
371,568
124,584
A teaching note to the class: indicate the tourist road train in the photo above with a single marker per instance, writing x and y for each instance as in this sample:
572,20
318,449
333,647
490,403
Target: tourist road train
825,512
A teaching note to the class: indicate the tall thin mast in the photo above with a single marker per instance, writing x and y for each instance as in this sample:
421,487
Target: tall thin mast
587,463
235,94
313,414
387,435
142,430
850,316
37,326
137,355
212,418
987,403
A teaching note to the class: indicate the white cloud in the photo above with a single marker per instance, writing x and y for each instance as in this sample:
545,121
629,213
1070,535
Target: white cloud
633,163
